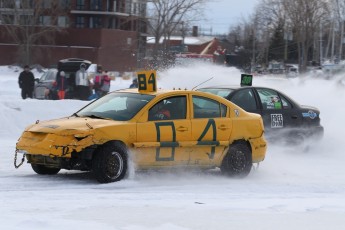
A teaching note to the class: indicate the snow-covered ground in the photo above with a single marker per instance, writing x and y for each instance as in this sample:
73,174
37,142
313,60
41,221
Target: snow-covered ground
292,189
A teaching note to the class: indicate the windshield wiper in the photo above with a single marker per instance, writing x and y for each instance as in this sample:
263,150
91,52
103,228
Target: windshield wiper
95,116
75,114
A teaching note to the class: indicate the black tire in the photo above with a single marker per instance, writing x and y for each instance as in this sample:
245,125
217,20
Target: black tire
44,170
238,160
109,163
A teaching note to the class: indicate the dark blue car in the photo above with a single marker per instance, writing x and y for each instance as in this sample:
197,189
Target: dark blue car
284,119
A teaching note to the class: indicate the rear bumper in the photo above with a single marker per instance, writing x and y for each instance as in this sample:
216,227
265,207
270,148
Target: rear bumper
259,148
315,132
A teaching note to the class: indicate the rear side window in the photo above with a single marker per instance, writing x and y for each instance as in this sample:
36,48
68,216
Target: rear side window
219,92
245,99
208,108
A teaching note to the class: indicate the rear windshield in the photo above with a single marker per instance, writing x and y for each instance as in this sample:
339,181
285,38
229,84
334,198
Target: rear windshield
218,92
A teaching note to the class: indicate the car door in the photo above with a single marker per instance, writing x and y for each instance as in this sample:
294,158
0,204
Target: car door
44,83
211,128
164,141
277,111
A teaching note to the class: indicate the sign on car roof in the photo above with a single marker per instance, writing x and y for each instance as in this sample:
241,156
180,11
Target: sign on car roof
246,79
147,81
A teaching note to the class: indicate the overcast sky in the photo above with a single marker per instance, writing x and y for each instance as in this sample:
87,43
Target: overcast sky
223,13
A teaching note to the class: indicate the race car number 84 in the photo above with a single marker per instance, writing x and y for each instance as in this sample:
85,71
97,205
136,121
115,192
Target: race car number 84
147,81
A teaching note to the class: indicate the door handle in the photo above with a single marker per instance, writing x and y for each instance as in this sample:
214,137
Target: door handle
182,129
223,127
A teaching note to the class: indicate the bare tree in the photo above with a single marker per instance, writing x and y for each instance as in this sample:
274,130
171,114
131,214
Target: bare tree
338,13
29,23
167,15
270,15
305,17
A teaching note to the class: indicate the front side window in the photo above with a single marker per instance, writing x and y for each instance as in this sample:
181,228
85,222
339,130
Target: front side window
286,103
170,108
207,108
269,99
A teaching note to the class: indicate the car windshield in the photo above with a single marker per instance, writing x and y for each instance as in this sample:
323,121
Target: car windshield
116,106
48,76
217,91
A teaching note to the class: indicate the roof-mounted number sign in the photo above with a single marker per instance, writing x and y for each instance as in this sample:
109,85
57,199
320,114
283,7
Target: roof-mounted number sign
147,81
246,79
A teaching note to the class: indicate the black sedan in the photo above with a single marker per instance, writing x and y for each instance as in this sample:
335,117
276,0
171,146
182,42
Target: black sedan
284,119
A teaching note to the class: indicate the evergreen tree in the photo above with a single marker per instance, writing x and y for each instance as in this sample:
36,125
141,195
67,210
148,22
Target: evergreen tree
277,43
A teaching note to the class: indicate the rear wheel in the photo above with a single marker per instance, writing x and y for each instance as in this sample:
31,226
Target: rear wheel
44,170
109,163
238,160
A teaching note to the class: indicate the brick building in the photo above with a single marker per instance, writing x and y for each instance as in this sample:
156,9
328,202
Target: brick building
110,33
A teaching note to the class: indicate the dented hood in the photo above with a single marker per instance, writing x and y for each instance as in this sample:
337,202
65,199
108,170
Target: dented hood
71,125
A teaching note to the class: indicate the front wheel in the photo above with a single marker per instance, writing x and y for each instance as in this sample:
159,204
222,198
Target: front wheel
44,170
109,163
238,160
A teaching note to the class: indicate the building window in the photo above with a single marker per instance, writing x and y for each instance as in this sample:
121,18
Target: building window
45,20
24,20
95,22
80,23
96,5
80,4
62,21
18,4
46,4
64,4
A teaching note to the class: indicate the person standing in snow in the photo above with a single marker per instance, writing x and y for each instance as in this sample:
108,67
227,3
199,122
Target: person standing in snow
26,82
97,82
105,83
61,84
82,83
134,83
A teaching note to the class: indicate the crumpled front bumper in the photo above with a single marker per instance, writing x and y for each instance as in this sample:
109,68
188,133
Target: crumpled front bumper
53,145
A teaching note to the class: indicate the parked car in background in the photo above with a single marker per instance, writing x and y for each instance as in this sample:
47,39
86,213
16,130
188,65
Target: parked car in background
284,119
45,84
44,87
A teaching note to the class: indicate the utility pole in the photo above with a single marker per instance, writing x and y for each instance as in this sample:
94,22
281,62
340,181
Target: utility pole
332,51
321,43
253,58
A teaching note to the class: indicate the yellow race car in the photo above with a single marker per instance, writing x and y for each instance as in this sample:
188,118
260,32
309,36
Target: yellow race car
158,129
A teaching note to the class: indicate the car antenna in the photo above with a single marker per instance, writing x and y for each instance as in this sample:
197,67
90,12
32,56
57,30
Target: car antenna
203,82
